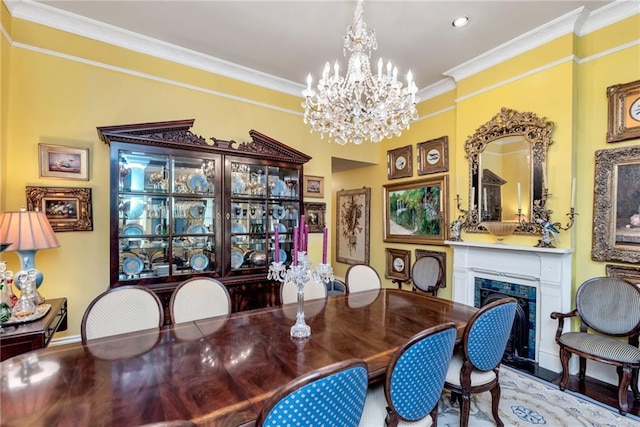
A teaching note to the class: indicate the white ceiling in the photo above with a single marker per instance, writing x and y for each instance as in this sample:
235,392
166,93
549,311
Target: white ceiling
289,39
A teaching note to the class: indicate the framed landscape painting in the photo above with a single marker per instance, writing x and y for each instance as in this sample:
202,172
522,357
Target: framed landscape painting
416,211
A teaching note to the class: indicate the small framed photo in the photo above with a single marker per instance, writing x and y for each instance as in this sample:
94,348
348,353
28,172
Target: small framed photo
398,264
59,161
433,156
313,186
400,163
68,209
624,111
314,216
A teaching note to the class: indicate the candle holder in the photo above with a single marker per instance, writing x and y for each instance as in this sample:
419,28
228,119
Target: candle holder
549,230
300,273
459,223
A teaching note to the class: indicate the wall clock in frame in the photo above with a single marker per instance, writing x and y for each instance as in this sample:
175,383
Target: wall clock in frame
624,111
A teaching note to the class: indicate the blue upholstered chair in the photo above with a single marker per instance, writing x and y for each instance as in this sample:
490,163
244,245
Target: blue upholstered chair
413,381
330,396
475,365
610,307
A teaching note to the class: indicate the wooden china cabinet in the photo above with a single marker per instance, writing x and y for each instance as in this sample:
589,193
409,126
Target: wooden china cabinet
182,207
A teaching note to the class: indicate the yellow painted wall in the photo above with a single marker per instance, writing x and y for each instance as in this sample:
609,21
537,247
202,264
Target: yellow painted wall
48,99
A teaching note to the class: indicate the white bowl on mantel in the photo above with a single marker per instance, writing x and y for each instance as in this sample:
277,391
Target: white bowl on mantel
500,229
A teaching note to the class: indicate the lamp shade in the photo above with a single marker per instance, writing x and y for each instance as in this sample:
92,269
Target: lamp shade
27,230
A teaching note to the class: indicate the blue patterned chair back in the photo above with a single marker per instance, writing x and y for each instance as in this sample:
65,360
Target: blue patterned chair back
609,305
489,332
329,396
418,371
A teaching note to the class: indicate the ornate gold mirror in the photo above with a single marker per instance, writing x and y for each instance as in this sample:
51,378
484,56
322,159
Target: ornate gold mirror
507,170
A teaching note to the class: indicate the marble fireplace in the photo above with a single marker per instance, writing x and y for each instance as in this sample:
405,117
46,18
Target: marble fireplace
543,274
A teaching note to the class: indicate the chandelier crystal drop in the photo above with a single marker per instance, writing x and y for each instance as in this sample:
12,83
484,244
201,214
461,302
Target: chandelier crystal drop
362,105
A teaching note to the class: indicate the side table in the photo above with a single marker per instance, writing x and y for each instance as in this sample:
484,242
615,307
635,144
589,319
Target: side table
26,337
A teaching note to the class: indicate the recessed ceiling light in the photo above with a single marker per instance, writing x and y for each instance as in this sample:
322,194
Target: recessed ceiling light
460,21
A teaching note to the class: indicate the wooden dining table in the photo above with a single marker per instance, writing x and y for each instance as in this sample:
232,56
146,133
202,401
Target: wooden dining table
213,372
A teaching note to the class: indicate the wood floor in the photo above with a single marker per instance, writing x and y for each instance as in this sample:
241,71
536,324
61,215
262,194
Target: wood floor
592,388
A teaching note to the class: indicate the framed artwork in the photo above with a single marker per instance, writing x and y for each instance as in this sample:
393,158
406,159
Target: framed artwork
416,211
624,111
616,214
352,231
399,162
68,209
630,274
313,186
59,161
433,156
314,216
398,264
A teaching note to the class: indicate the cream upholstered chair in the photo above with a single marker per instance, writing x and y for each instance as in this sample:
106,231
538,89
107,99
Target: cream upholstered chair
199,298
413,382
610,307
475,365
333,395
121,310
362,277
427,275
312,290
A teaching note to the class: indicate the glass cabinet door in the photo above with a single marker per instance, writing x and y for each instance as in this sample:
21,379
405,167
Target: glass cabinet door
263,199
167,215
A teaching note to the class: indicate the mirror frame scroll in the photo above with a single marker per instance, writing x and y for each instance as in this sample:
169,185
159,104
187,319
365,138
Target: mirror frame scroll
535,130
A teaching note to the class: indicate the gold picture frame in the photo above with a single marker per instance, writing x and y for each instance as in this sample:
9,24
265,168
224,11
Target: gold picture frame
616,217
68,209
314,216
433,156
624,111
630,274
400,162
59,161
352,226
313,186
416,211
398,265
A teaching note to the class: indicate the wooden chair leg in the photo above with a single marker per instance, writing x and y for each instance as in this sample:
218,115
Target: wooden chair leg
634,384
583,368
392,418
495,403
434,416
622,389
564,359
465,408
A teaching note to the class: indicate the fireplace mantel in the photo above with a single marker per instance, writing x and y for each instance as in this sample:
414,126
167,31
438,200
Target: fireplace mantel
546,269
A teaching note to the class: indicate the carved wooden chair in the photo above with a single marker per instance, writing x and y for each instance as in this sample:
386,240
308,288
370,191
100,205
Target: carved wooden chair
475,366
413,382
610,307
427,275
362,277
333,395
121,310
199,298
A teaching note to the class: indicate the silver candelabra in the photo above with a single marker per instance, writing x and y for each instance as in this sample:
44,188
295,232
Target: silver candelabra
300,272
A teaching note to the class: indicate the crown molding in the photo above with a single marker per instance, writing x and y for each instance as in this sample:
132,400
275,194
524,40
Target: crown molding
580,22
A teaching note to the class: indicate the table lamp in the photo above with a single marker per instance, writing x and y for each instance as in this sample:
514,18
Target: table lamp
28,231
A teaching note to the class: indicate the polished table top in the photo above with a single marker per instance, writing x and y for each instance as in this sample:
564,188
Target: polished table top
216,371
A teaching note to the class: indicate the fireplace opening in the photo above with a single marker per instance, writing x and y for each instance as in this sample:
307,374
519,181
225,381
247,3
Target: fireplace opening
517,350
520,351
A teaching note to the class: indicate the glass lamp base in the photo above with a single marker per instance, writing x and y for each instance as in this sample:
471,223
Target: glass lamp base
300,330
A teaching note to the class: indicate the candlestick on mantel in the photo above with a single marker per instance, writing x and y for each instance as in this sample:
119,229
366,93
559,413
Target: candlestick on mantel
457,185
519,199
324,245
484,195
276,245
573,193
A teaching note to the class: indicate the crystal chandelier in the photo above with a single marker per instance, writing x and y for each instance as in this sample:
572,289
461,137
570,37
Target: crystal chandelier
362,105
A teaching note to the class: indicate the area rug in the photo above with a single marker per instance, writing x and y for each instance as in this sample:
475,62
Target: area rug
528,401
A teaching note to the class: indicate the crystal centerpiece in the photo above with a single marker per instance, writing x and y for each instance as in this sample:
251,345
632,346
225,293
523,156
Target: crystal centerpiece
300,272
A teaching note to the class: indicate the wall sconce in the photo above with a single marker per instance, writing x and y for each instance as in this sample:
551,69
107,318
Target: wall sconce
27,232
